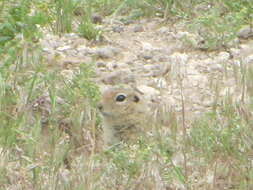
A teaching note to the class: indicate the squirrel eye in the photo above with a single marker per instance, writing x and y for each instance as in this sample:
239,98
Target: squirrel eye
120,98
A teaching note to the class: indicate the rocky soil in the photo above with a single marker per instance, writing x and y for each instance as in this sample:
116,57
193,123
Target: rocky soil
155,57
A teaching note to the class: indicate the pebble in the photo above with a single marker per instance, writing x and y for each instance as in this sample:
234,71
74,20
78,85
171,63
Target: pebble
245,32
148,47
248,59
179,57
147,56
48,50
181,34
138,28
119,77
163,30
244,47
222,57
106,52
118,29
72,52
233,43
130,63
101,64
207,103
236,63
161,83
96,19
150,67
215,67
160,58
71,36
64,48
234,52
82,48
79,42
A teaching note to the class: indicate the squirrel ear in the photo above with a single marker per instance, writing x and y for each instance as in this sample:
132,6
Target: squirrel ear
138,91
136,99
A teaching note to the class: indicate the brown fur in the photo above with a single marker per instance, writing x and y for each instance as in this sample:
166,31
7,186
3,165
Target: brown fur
123,120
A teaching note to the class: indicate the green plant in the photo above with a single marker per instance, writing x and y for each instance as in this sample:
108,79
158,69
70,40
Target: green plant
19,21
214,153
83,85
86,28
63,11
220,22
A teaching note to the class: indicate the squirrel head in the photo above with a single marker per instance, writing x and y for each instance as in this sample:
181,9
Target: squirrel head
119,101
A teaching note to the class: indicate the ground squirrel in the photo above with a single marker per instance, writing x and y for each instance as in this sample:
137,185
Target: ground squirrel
125,114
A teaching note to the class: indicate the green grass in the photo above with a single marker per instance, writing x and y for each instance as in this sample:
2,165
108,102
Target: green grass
36,144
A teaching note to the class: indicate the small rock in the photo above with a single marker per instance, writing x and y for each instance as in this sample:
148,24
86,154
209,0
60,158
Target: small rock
234,52
147,56
179,57
115,66
245,32
216,67
208,103
117,28
64,48
71,36
84,51
149,47
119,77
81,48
128,21
149,68
130,63
72,52
163,30
207,62
48,50
181,34
79,42
101,64
233,43
193,71
71,60
112,66
248,59
244,47
138,28
236,63
160,58
161,83
106,52
222,57
96,19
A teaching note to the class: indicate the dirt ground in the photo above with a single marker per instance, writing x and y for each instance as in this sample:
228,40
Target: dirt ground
156,58
160,61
